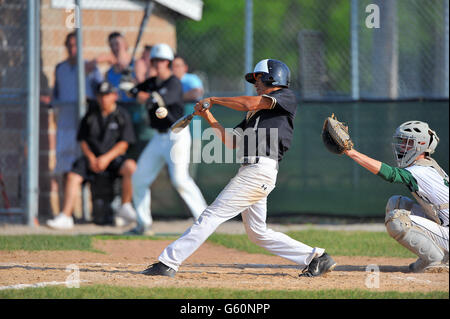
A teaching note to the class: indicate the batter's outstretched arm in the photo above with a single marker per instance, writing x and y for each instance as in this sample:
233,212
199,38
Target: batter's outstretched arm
242,103
365,161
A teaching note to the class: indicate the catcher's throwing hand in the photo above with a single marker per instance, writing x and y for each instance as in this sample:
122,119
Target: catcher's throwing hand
335,136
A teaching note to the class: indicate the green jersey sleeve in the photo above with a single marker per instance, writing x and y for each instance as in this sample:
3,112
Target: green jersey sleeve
398,175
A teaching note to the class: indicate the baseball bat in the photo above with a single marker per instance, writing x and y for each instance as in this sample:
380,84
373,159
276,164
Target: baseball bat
148,13
129,70
185,120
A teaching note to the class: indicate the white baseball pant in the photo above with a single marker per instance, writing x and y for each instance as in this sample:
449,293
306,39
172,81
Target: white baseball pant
246,193
173,149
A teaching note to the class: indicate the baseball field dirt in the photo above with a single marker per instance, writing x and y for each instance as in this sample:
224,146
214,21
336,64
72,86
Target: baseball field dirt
213,266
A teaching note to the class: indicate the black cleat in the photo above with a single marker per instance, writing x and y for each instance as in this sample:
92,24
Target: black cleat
159,269
319,266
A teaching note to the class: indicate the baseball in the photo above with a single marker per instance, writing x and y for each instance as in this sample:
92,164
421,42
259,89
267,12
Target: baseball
161,112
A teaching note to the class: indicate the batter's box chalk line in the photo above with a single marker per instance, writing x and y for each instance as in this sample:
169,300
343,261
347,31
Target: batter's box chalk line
243,266
413,279
43,284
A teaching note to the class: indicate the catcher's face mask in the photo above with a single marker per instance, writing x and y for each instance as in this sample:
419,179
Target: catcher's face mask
411,139
406,149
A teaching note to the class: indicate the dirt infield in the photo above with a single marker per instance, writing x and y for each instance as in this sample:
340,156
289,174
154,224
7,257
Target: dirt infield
211,266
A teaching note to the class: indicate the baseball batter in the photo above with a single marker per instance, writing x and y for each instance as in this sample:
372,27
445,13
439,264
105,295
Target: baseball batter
163,94
422,225
273,110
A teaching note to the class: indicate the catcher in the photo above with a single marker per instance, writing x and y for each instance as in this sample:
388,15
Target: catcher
422,225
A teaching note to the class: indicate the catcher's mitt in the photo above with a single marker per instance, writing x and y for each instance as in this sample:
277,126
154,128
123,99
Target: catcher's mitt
335,136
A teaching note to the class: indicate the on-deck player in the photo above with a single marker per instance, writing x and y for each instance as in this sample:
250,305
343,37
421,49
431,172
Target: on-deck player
165,147
272,113
422,226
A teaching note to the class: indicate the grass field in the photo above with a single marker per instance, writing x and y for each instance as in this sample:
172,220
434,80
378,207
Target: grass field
103,291
340,243
355,243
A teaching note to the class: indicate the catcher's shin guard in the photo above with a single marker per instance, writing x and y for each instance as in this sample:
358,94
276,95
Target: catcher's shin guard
400,227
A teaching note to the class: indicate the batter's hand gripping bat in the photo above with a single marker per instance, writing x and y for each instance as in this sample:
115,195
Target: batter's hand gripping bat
185,120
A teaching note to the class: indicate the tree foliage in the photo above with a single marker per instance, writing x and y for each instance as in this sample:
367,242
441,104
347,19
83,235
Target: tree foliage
215,45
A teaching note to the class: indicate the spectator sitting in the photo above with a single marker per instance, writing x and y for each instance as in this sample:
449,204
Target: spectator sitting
104,135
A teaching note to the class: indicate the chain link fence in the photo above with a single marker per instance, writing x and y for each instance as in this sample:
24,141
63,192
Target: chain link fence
338,51
407,56
401,46
13,99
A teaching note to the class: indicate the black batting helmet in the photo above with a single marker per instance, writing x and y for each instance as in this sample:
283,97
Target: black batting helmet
274,73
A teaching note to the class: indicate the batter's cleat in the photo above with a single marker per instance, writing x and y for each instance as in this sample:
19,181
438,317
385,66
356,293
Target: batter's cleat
61,221
319,266
159,269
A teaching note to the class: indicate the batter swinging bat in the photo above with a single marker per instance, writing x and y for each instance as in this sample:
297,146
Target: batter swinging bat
126,82
185,120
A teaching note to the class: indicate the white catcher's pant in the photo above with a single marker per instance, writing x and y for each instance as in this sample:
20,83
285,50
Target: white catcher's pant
246,193
437,233
173,149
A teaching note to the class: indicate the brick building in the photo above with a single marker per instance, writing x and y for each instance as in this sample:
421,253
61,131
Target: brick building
57,19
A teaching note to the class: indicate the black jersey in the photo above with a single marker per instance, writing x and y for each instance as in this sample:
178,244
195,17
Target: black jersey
269,132
102,133
171,92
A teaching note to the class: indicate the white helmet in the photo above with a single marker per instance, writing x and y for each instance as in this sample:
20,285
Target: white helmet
161,51
411,139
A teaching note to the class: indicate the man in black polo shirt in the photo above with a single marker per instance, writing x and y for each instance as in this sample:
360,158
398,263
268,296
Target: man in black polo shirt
262,139
163,95
104,135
